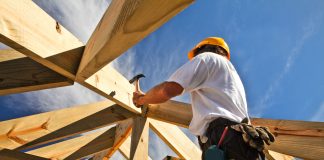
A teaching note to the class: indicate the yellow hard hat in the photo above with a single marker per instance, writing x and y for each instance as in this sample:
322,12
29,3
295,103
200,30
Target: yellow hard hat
213,41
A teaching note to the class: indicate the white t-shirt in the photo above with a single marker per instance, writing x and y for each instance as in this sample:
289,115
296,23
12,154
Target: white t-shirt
215,88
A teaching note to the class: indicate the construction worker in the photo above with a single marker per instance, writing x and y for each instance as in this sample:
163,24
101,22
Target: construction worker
218,100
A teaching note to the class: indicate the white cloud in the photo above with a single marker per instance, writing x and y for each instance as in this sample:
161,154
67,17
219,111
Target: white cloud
56,98
3,46
157,148
125,64
79,17
319,115
308,30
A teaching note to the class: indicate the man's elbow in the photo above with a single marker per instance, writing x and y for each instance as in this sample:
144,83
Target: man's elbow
172,89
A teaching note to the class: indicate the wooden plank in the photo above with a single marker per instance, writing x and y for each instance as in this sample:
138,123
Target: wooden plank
7,154
124,149
38,129
39,37
171,158
305,147
78,147
173,112
300,139
125,23
296,138
114,86
139,141
100,155
292,127
123,130
19,73
176,140
272,155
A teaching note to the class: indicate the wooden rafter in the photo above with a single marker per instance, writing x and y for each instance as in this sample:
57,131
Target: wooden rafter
140,137
124,24
39,37
123,130
175,139
124,149
271,155
38,129
7,154
111,84
173,112
42,39
297,138
19,73
78,147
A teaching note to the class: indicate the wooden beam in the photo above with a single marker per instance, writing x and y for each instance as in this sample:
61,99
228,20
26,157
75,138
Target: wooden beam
300,139
39,37
38,129
123,130
100,155
171,158
7,154
305,147
124,149
114,86
176,139
139,141
272,155
291,127
296,138
19,73
79,147
125,23
173,112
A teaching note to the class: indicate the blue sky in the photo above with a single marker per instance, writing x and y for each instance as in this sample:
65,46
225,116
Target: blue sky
276,46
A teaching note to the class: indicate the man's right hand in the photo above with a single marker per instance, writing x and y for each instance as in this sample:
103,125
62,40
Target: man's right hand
138,99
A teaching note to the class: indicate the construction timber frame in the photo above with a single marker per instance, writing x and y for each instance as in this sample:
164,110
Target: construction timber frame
45,55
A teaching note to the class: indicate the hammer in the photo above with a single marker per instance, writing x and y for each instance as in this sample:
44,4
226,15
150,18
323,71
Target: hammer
136,80
138,89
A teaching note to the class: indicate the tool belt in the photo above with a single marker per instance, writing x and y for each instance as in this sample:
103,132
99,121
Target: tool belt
255,136
236,136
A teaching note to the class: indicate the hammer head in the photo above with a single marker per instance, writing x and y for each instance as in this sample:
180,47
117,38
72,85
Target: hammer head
137,77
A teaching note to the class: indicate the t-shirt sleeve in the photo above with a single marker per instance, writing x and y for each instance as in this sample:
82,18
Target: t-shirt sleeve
191,75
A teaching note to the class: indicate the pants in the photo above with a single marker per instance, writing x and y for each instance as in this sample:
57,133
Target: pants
233,145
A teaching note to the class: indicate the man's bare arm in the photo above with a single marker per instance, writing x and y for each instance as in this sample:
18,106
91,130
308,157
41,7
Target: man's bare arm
158,94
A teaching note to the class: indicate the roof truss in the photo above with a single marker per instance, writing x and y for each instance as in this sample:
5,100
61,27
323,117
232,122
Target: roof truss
44,48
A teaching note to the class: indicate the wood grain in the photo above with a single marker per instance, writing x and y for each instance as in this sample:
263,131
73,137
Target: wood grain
30,131
272,155
7,154
26,28
19,73
78,147
123,130
125,23
114,86
124,149
176,140
173,112
140,137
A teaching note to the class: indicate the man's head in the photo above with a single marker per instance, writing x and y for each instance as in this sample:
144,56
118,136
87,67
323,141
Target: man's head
211,44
